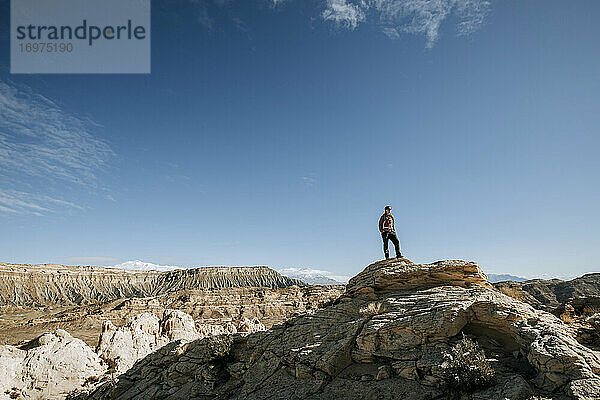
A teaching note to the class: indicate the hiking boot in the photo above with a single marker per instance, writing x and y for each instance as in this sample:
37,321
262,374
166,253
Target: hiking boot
399,256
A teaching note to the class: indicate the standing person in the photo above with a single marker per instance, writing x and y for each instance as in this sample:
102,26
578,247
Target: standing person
388,232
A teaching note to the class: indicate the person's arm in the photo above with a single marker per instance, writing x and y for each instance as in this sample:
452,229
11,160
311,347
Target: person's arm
381,224
393,224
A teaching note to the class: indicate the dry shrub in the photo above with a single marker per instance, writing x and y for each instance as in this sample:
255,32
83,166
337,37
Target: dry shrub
465,367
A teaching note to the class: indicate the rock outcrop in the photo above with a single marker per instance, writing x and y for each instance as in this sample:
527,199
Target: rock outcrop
573,301
52,285
217,306
582,315
121,347
212,309
55,365
549,294
50,366
386,338
404,275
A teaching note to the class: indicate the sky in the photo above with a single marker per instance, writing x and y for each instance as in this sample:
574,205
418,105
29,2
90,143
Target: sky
273,132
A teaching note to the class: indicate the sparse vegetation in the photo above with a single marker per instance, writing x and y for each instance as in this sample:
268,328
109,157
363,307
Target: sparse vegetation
465,367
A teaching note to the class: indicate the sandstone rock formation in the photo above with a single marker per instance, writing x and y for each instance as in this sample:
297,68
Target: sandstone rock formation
131,328
386,338
214,310
50,366
121,347
582,315
549,294
270,306
51,285
574,302
404,275
55,364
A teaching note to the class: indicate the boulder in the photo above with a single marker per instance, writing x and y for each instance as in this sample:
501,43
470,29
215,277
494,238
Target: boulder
177,325
402,274
53,365
122,346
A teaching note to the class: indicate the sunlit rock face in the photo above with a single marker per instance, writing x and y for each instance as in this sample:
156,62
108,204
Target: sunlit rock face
547,295
49,367
386,337
51,285
56,365
121,347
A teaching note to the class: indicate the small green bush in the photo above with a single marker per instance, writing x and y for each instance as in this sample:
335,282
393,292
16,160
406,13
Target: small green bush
465,367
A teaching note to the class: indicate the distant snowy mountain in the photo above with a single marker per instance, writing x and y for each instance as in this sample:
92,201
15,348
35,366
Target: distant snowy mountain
314,276
494,278
310,276
138,265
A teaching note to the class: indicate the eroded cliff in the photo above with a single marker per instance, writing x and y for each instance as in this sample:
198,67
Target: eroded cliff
52,285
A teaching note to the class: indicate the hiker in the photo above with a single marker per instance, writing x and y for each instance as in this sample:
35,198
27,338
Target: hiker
388,232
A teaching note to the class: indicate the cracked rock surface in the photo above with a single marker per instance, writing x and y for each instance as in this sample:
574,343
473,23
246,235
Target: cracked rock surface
385,338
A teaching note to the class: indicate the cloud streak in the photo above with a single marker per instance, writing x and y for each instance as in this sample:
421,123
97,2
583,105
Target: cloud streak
38,138
392,17
309,180
420,17
17,202
397,17
42,144
344,13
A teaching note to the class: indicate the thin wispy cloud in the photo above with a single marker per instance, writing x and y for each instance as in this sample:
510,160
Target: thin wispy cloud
397,17
17,202
344,13
392,17
40,142
39,138
12,200
421,17
309,180
7,210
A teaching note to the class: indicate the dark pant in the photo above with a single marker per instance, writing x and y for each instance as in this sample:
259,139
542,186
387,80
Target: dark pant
390,236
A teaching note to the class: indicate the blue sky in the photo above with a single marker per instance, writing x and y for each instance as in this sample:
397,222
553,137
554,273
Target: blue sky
275,132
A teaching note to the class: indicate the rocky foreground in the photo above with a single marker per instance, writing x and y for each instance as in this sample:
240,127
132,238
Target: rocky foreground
55,364
389,336
76,346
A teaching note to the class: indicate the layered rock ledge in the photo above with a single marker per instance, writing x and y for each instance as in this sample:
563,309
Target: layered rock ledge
401,274
385,338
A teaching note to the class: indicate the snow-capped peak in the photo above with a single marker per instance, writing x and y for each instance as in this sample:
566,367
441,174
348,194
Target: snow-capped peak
314,276
138,265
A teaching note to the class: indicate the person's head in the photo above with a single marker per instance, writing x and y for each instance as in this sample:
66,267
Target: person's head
388,209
